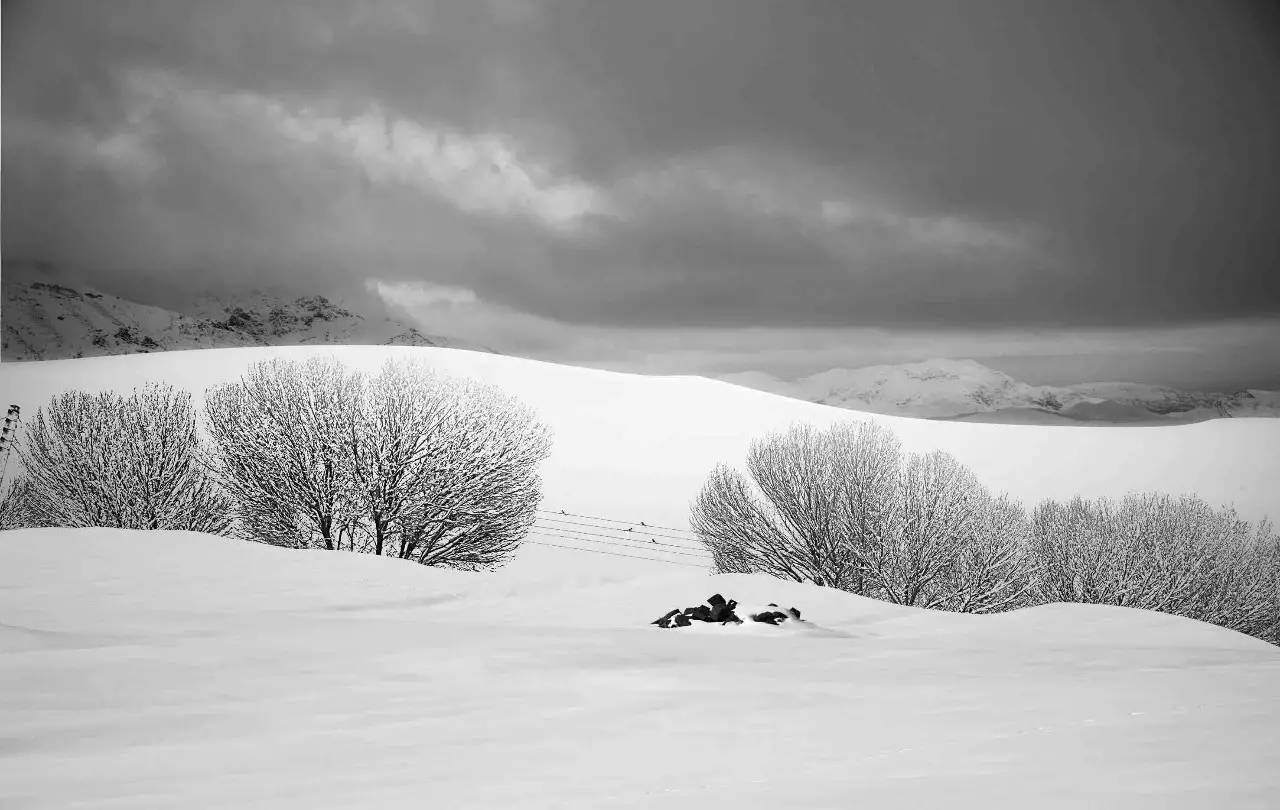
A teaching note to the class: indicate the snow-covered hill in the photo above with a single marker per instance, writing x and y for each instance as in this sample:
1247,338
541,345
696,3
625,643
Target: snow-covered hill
638,448
45,320
165,669
946,388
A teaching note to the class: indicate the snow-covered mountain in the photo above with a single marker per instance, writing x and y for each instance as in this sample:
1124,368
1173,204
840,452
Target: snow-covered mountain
950,389
45,320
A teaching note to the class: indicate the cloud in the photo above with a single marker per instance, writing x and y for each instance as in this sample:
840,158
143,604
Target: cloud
422,297
660,168
1220,356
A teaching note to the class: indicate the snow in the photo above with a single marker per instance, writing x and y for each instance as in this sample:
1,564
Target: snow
969,390
636,448
167,669
932,388
45,319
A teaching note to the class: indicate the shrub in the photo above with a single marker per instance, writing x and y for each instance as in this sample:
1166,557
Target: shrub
131,462
280,437
406,463
445,470
13,499
844,509
1176,555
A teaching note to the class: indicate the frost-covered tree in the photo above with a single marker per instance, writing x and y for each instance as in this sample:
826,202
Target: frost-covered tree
406,463
991,572
842,508
951,544
446,470
131,462
401,422
280,435
1158,552
827,496
13,497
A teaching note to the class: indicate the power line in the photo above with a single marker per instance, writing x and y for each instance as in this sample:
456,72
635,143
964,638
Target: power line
624,522
638,537
640,540
616,554
634,529
619,545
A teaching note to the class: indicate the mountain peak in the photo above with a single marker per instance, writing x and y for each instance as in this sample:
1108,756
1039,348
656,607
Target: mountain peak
48,320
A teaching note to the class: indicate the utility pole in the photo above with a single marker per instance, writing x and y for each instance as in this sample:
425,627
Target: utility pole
8,436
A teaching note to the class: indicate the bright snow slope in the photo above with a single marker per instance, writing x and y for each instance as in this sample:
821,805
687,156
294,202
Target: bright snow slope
638,448
175,670
165,669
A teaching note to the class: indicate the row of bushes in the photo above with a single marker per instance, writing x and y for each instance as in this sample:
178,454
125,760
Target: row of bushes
846,508
299,454
441,471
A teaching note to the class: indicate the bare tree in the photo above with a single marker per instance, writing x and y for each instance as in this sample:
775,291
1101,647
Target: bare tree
1158,552
473,495
281,437
128,462
829,497
991,571
401,430
13,497
869,477
841,508
407,463
934,509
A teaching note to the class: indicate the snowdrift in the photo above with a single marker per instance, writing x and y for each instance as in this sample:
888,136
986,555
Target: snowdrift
167,669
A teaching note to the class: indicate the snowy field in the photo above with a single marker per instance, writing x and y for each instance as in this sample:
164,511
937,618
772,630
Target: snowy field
174,670
637,448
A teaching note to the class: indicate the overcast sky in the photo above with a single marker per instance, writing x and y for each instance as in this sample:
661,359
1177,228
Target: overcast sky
1069,189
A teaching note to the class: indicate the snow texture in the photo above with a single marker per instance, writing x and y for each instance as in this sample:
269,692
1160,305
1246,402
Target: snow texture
638,448
166,669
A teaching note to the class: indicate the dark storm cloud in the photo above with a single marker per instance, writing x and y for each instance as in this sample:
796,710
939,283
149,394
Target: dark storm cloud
1049,163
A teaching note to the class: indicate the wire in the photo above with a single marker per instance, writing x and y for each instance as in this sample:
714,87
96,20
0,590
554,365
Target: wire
639,541
615,554
643,547
632,531
620,535
624,522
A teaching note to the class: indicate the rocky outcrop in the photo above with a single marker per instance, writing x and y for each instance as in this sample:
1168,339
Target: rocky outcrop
43,320
719,610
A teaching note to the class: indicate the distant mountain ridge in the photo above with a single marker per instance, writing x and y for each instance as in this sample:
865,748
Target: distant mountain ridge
966,389
44,320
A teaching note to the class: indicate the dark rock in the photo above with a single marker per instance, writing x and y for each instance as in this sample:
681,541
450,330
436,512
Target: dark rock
701,613
716,610
665,621
774,617
723,612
